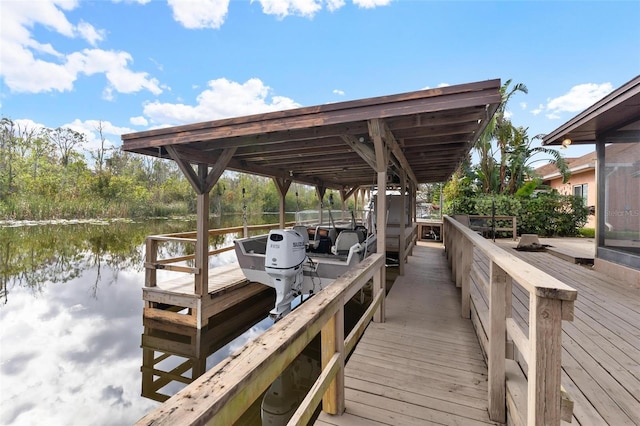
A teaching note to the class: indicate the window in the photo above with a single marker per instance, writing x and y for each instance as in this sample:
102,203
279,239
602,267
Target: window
622,197
581,191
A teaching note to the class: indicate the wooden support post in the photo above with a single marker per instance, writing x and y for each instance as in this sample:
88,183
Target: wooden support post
320,191
379,280
402,242
151,258
332,338
283,186
467,262
202,243
497,336
381,162
343,202
412,209
545,344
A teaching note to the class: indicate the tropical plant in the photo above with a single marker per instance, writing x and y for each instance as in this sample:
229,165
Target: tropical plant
519,157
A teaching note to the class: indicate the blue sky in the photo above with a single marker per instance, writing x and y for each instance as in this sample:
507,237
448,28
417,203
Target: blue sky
136,65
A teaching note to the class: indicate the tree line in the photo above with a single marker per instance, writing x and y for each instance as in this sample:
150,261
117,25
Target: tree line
50,173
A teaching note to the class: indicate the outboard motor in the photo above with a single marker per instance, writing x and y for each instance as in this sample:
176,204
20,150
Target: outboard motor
283,261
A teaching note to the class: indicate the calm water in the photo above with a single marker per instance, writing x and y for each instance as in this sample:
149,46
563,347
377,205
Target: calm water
71,322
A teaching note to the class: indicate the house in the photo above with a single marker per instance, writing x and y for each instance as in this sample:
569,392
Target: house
582,182
613,125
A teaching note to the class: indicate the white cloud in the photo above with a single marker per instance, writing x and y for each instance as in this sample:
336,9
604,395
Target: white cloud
222,99
51,70
27,124
577,99
89,33
139,121
537,110
282,8
338,92
194,14
333,5
89,128
443,85
370,4
523,105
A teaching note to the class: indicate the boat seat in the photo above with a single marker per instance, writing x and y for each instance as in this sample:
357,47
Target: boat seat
333,235
361,235
345,240
304,231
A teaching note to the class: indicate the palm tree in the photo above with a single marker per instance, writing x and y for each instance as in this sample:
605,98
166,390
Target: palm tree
519,155
504,130
501,130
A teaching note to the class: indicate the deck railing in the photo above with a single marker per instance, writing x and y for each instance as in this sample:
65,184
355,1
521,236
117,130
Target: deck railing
224,393
153,264
551,301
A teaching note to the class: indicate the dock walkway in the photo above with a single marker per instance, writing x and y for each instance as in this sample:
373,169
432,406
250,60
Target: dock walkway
601,346
424,364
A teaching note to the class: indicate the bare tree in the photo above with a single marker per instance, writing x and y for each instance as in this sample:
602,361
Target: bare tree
100,154
66,141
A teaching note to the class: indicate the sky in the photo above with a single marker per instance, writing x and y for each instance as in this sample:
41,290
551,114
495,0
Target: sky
133,65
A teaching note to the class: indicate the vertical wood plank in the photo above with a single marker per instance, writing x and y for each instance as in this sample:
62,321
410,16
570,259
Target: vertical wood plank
152,256
508,313
467,261
545,343
497,335
332,338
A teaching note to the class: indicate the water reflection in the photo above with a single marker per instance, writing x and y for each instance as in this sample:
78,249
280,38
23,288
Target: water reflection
174,355
71,320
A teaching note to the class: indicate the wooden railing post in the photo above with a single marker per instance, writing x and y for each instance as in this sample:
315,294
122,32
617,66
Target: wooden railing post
545,340
332,337
497,337
380,286
150,278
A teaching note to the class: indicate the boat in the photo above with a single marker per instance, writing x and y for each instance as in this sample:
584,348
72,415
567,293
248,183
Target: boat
304,259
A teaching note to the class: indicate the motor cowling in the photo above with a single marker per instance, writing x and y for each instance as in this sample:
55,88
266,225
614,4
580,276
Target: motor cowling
285,249
283,261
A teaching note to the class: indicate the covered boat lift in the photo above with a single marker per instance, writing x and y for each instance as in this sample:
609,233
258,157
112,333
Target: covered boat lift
395,141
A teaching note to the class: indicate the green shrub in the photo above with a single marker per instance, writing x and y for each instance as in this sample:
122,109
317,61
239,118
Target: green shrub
546,213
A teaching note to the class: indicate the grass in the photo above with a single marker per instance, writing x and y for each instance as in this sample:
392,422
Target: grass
587,232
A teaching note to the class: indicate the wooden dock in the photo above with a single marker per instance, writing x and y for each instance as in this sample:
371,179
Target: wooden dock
601,347
424,364
169,299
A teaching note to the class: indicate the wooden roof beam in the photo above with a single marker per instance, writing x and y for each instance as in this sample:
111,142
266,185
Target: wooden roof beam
363,150
201,184
393,145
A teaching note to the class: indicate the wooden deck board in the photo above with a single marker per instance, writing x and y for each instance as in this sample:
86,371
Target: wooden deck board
220,278
601,347
423,365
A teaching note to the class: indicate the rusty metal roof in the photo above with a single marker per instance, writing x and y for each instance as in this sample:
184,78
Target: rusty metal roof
428,133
